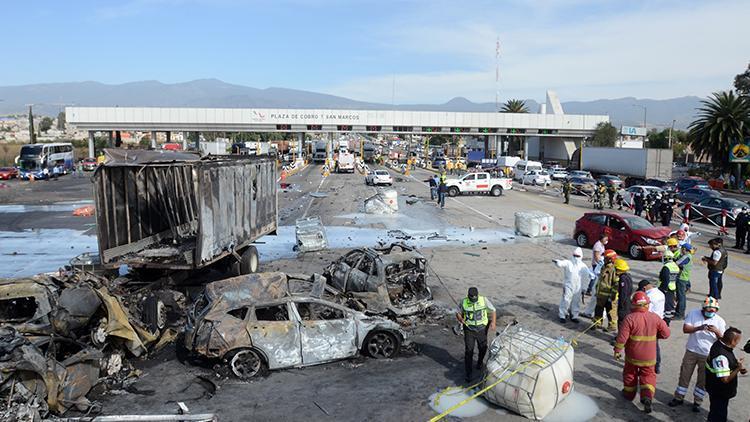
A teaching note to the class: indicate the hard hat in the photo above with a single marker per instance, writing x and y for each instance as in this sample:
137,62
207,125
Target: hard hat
688,247
578,252
672,242
668,256
610,254
680,232
621,265
710,303
640,299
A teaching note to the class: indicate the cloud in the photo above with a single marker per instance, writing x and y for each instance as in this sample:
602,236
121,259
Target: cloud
671,49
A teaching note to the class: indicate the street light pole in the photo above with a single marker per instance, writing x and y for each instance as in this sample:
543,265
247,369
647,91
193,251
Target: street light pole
671,129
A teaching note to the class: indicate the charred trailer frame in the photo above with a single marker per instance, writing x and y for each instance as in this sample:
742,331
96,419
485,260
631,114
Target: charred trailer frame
179,212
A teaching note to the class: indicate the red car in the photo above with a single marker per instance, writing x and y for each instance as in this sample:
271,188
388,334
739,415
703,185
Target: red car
627,233
7,173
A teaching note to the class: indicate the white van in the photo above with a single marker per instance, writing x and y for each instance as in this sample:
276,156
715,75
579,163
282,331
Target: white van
523,166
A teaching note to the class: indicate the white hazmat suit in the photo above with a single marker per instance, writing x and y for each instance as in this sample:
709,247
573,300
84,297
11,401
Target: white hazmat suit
576,273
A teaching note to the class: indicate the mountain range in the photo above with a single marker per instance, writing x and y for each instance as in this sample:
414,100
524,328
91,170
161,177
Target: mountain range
49,99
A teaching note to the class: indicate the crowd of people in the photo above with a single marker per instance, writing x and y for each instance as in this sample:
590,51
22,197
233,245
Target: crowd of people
641,316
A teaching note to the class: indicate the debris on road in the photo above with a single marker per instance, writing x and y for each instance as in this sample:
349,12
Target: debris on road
384,202
318,194
534,224
311,235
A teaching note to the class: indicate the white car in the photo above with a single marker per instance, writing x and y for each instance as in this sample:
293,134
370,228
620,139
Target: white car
535,177
558,173
580,173
627,194
378,177
478,182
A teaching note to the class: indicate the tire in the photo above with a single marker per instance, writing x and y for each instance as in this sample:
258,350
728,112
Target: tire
246,364
154,313
533,182
582,240
634,251
453,191
496,190
381,345
250,261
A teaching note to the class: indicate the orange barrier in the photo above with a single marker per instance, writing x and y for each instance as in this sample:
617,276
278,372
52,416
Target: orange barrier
85,211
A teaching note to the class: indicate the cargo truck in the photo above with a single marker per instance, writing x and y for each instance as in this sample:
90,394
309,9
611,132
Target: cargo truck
177,211
644,163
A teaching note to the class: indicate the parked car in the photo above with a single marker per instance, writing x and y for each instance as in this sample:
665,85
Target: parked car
627,194
7,173
478,182
664,185
697,194
388,280
711,209
580,173
89,164
378,177
536,177
627,233
258,322
610,180
582,185
684,183
558,173
633,181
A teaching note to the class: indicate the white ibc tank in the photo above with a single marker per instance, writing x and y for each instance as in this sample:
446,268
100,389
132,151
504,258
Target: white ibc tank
537,388
390,197
534,223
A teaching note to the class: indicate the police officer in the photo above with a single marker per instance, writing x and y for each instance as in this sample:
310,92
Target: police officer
638,202
477,315
567,187
665,210
741,222
611,191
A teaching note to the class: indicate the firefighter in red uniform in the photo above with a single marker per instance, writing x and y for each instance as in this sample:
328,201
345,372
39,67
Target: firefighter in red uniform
637,335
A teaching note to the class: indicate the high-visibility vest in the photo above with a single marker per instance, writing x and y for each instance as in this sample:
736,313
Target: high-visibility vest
475,313
674,271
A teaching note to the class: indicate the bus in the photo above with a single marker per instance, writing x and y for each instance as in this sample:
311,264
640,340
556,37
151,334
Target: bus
34,158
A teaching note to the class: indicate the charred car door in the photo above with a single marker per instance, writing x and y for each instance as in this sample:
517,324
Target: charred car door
327,332
276,334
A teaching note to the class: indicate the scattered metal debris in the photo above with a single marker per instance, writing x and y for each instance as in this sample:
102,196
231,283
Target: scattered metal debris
311,235
318,194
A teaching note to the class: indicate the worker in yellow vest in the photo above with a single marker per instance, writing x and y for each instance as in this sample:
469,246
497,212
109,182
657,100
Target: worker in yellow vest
478,317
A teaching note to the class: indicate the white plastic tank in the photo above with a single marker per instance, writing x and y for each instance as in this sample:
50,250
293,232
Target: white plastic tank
534,223
390,197
539,386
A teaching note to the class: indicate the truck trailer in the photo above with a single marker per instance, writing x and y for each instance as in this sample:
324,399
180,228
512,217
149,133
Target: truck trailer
177,211
636,162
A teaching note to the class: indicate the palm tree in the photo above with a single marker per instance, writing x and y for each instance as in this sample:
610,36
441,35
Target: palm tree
723,120
514,106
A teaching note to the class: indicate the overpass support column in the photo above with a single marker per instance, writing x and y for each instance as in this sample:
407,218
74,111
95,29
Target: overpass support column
169,136
91,144
197,141
153,139
300,144
118,139
110,139
498,145
526,148
184,140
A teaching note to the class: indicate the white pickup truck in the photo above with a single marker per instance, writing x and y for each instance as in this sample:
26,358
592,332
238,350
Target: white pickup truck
480,182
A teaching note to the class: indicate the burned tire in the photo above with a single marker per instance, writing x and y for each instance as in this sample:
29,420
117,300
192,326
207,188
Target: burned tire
453,191
381,345
582,240
154,313
634,251
250,261
246,363
496,190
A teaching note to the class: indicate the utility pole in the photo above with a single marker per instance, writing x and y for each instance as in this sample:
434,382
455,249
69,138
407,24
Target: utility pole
497,75
670,133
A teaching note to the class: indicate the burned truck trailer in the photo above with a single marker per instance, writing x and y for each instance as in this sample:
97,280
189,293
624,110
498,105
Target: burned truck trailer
176,211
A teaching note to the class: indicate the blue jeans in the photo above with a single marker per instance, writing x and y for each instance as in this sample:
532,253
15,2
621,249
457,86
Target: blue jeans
681,298
433,193
441,199
715,284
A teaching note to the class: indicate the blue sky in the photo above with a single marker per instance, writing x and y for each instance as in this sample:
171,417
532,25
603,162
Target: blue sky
434,50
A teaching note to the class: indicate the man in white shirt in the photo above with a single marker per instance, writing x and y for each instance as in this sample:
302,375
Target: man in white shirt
597,257
705,326
656,306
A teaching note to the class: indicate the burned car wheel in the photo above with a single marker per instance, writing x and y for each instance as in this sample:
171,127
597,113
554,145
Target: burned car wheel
246,363
381,345
249,263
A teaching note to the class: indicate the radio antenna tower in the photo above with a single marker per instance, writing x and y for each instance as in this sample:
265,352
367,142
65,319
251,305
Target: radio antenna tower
497,75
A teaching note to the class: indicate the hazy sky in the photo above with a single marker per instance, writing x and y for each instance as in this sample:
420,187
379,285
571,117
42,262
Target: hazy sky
434,50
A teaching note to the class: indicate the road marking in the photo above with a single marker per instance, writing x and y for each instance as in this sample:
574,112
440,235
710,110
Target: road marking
738,275
312,198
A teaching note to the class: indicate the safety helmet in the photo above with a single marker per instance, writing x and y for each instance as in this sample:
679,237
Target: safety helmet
680,232
621,265
711,303
610,254
640,299
672,242
668,256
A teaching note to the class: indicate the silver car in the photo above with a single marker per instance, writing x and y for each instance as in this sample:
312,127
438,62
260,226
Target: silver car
254,322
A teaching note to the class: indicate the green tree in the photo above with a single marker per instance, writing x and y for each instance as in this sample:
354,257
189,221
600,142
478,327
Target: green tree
605,135
723,120
514,106
45,124
145,142
742,82
32,133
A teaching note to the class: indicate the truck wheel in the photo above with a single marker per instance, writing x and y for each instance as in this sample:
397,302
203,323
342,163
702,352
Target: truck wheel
497,190
453,191
249,262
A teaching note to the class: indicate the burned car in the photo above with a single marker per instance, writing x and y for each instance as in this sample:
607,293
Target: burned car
388,280
271,321
26,304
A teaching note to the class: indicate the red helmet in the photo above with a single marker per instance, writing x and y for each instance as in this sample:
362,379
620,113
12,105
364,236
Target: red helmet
640,299
610,254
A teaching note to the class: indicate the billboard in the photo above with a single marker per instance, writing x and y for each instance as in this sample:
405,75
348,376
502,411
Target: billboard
740,152
633,131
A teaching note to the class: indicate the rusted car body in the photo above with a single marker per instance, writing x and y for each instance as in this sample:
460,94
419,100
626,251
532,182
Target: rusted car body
388,280
27,304
177,211
273,320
